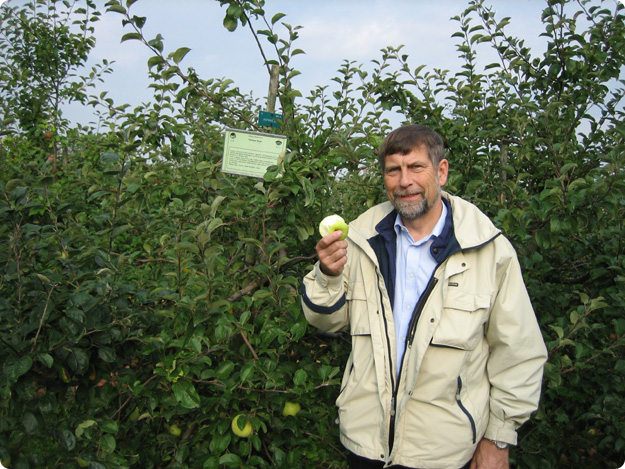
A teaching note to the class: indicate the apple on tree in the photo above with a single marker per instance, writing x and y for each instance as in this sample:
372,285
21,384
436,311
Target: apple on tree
291,408
331,223
242,431
175,430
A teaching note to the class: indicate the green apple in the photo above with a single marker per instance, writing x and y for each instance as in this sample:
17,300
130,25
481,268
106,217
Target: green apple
332,223
242,432
291,408
134,415
175,430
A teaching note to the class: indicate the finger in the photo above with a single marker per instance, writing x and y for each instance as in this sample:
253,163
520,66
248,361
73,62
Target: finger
333,258
330,239
332,251
333,268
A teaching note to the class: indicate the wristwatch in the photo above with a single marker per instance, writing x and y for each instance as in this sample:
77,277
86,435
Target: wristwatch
499,444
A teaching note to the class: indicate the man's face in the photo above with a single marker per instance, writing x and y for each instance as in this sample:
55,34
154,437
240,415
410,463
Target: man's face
413,184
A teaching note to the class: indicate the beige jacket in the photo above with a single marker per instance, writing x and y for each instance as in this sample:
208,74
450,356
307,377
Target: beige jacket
473,368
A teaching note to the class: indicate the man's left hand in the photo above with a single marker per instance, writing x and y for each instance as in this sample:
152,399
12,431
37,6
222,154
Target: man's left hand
488,456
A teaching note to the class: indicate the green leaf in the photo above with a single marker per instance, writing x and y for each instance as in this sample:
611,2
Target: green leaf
131,36
186,394
154,61
558,330
213,225
15,367
109,426
139,21
231,460
43,278
219,443
120,229
108,442
106,354
186,246
46,359
67,439
215,205
225,369
246,373
80,429
109,157
117,9
78,360
277,17
230,23
30,422
300,377
302,233
180,54
203,165
309,192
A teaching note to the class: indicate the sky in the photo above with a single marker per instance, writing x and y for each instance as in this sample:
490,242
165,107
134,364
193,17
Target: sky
332,31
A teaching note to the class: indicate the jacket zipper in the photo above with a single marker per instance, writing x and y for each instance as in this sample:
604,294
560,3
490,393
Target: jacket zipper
391,434
409,338
412,327
464,409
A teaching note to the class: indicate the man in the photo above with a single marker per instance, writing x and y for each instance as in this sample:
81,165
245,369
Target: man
447,356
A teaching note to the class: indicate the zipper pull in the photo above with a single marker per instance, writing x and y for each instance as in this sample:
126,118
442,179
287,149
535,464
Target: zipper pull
393,406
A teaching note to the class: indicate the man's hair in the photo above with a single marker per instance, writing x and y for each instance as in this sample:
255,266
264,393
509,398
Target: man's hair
409,137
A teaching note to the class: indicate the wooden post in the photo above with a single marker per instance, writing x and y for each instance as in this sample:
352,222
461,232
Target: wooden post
503,159
273,89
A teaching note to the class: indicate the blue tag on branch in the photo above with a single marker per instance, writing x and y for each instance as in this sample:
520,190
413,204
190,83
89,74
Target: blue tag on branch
269,119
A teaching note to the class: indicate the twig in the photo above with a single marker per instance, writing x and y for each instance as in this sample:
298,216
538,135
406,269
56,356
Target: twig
247,289
123,406
43,316
249,345
589,359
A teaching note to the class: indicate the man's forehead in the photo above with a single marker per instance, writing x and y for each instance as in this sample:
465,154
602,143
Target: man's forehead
417,154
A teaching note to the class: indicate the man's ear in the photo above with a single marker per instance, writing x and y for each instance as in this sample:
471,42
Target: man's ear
443,171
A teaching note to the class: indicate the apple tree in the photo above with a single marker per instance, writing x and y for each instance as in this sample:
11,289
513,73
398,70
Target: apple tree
147,298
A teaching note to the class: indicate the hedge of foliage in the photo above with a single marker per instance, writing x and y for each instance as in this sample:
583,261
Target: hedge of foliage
147,298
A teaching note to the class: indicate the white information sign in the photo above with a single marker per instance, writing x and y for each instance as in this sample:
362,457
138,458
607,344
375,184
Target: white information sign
250,153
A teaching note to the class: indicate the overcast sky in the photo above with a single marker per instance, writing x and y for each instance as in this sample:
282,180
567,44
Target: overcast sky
332,31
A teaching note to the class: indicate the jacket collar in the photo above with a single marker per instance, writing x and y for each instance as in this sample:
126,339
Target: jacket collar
466,227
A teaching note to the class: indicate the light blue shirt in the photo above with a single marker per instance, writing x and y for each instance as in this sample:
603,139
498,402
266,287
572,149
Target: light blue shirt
414,267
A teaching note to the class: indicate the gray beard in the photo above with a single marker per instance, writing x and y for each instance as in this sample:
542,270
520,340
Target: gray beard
411,211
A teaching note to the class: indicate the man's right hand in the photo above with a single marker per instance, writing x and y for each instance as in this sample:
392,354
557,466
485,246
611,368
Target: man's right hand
332,253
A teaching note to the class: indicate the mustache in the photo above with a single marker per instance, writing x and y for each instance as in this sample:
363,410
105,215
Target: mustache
406,194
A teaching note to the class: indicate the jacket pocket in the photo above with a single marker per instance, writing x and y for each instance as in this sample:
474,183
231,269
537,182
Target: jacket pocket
356,296
462,320
466,411
360,362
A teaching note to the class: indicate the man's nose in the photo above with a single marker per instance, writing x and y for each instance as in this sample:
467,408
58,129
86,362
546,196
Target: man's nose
404,178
